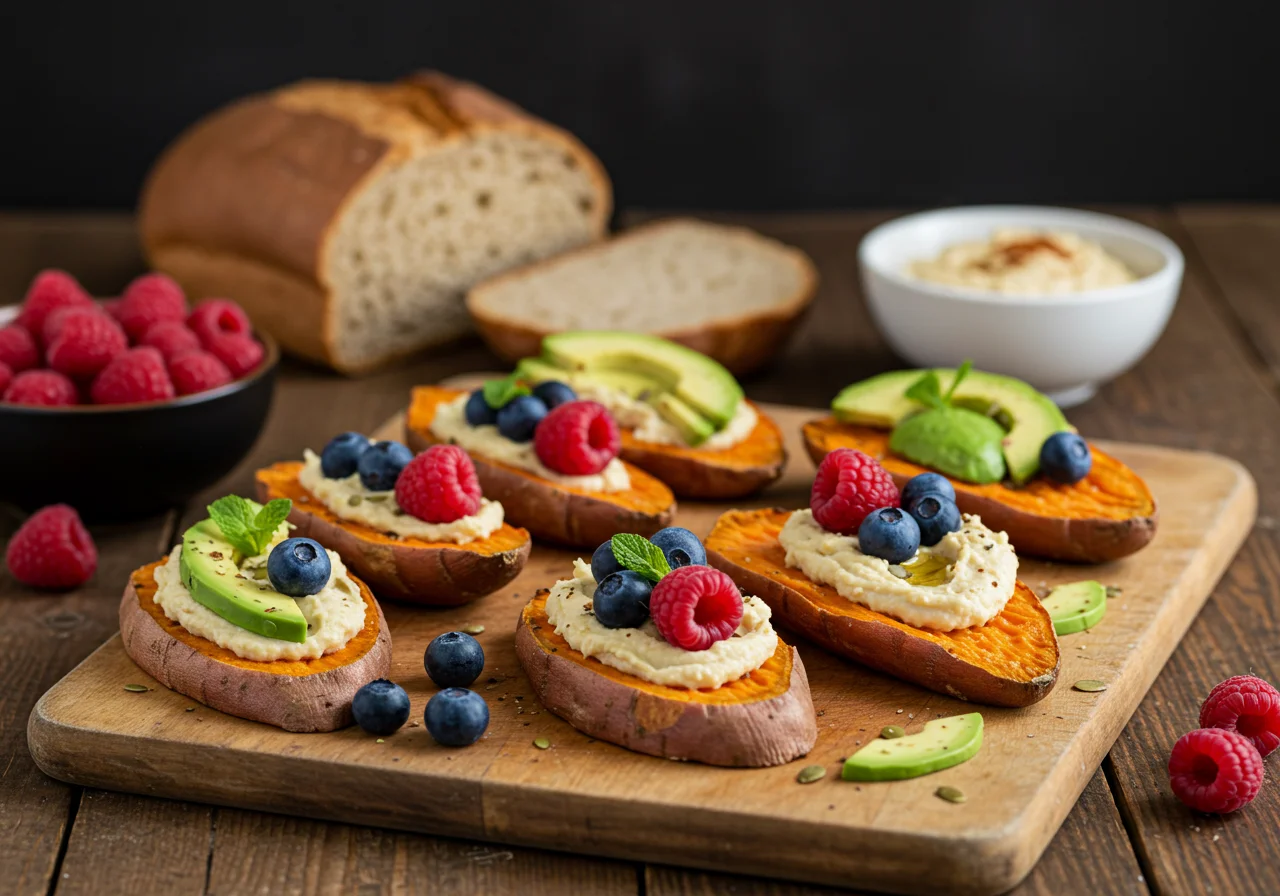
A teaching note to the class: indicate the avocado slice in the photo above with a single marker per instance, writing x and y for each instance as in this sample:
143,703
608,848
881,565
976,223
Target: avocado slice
1029,416
942,744
1076,606
210,569
956,441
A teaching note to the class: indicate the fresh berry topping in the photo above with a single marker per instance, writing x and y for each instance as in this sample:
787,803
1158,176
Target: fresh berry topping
171,339
147,301
518,418
341,457
453,660
456,717
381,707
1247,705
6,377
83,342
380,465
577,439
848,486
52,549
134,376
889,533
197,371
18,349
696,606
680,546
43,388
1215,770
926,484
936,515
241,354
439,485
1065,458
478,412
49,291
298,567
554,393
219,317
622,600
603,563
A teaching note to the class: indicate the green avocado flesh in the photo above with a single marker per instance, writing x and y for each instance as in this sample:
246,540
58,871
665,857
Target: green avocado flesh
942,744
1076,606
210,570
962,444
1027,416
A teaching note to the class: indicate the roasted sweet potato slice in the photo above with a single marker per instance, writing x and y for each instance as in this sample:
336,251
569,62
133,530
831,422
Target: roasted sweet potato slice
569,516
765,718
413,570
1107,515
296,695
1010,661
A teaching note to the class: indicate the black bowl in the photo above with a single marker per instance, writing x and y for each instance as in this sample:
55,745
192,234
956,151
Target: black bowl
116,462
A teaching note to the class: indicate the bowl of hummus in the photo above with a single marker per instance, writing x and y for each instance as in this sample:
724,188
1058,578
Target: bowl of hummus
1061,298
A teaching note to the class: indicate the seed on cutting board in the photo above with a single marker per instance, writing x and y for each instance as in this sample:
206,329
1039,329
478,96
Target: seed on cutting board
811,773
950,794
889,732
136,688
1089,685
541,743
473,629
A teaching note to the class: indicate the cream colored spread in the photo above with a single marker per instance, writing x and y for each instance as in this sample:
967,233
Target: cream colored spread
647,425
642,652
1026,262
982,573
348,499
450,425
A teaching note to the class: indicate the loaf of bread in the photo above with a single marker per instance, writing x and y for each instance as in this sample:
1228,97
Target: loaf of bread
350,219
727,292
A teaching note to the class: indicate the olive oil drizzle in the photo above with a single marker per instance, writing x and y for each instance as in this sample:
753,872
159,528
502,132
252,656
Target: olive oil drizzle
929,569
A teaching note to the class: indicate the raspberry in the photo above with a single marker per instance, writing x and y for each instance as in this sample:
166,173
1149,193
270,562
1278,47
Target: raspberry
1247,705
577,438
171,338
197,371
695,606
85,341
52,549
6,377
133,376
241,354
50,290
439,485
1214,770
18,349
42,388
848,486
150,299
219,317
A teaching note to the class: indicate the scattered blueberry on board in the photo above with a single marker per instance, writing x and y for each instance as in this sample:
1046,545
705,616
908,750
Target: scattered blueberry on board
453,660
381,707
380,465
936,515
603,563
680,546
456,717
339,458
1065,458
554,393
925,484
889,533
622,600
298,567
518,418
478,412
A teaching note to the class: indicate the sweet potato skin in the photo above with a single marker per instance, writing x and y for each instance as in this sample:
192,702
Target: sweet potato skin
1108,515
302,696
404,569
978,664
766,718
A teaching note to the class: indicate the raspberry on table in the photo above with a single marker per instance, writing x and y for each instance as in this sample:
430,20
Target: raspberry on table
83,342
577,438
241,354
693,607
1215,770
6,377
42,388
49,291
197,371
218,317
1248,705
149,300
439,485
847,487
52,549
171,338
18,349
136,375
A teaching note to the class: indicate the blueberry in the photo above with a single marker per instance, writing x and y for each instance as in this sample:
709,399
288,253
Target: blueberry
1065,458
381,463
457,717
298,567
936,515
554,393
681,547
520,416
890,534
603,563
339,458
454,660
380,707
926,484
478,411
622,600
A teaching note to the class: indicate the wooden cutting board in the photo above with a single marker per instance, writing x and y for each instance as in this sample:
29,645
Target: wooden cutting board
592,797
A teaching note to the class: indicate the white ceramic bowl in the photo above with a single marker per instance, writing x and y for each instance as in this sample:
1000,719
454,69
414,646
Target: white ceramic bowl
1065,345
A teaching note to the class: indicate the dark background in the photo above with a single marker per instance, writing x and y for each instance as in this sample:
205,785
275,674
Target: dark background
696,104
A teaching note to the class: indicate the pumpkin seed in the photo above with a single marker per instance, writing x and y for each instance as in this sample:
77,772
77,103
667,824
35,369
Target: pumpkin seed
136,688
889,732
1090,685
473,629
355,500
1114,591
381,740
811,773
541,743
950,794
376,499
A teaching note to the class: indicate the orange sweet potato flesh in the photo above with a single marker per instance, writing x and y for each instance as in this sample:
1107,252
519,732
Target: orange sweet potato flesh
570,516
1010,661
1105,516
412,570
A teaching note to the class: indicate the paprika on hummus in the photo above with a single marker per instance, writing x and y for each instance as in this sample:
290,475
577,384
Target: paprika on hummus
1026,262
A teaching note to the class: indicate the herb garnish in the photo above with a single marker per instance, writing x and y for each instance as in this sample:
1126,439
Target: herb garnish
640,555
497,393
247,526
928,389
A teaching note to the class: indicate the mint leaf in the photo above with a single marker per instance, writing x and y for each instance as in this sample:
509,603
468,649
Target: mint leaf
269,519
927,390
497,393
639,554
235,517
960,374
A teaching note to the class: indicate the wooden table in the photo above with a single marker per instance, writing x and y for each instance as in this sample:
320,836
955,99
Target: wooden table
1210,383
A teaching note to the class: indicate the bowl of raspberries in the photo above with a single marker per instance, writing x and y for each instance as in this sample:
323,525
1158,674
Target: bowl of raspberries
128,406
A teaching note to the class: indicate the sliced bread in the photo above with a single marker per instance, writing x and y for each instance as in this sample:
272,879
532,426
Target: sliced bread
725,291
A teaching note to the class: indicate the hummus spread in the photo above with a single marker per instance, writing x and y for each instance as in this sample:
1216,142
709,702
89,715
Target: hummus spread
647,424
348,499
982,573
450,425
642,652
1026,262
